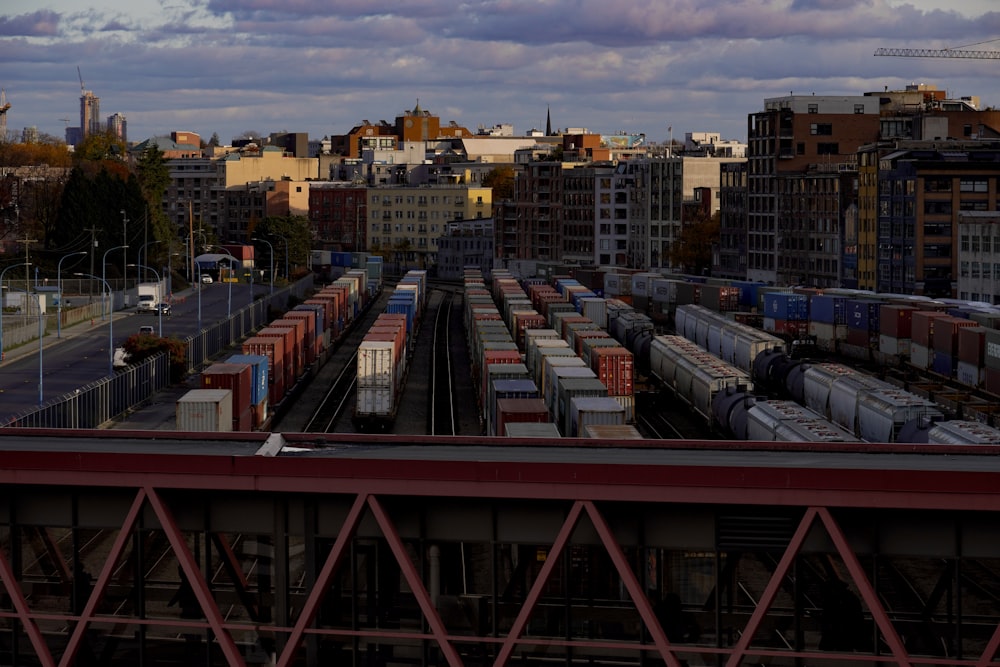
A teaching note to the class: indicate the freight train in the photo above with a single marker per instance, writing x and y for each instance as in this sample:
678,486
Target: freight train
243,392
855,406
383,356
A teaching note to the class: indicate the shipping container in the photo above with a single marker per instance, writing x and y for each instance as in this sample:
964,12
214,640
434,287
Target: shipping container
288,361
273,348
238,379
585,410
786,306
570,388
209,410
611,432
502,390
542,431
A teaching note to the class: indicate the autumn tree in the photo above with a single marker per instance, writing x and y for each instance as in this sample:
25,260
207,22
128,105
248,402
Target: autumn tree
692,251
293,230
501,179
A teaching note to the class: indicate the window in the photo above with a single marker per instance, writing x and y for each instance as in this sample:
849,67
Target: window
973,185
965,243
821,129
859,108
813,108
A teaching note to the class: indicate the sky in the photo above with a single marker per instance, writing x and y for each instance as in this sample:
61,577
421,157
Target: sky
658,67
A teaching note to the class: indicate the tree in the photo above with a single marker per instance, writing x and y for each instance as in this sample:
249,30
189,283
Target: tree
693,249
214,141
153,178
140,346
293,229
501,179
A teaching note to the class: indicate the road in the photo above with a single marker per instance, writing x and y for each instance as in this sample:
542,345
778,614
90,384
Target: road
80,356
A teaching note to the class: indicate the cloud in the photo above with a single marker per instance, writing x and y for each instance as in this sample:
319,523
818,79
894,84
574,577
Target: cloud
37,24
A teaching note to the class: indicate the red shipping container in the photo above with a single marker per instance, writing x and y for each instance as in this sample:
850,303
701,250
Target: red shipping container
615,367
895,320
525,321
564,334
972,345
300,341
313,349
287,336
923,326
793,328
859,337
237,378
993,380
273,348
946,333
520,410
580,336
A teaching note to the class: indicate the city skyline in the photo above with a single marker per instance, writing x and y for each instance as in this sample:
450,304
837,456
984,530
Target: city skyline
232,66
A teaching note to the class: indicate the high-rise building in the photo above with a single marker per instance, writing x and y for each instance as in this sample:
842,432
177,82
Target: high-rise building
118,126
90,114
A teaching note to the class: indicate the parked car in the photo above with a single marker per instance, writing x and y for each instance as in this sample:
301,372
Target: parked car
162,308
207,279
146,330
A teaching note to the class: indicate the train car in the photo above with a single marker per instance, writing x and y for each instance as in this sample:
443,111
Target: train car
382,362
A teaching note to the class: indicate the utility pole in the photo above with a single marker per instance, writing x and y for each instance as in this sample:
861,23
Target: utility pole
27,276
93,250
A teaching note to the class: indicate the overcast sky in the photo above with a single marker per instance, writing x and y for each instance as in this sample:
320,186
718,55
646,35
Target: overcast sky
323,66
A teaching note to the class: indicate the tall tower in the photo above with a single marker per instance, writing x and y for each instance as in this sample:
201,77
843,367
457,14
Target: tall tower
90,110
118,126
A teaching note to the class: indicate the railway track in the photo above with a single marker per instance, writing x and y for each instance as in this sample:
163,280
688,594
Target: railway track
442,418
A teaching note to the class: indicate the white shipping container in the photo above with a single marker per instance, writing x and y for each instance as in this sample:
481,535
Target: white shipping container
920,356
596,309
377,364
970,374
376,400
209,410
891,345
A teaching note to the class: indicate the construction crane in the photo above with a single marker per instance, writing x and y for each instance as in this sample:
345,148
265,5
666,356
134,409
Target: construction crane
955,52
79,74
4,108
939,53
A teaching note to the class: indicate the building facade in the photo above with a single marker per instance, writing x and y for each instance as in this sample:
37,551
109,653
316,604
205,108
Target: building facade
337,216
466,244
795,136
979,256
405,222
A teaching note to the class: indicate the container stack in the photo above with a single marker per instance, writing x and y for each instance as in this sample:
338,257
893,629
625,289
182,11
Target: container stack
945,344
258,386
828,320
786,314
921,346
971,367
205,410
273,349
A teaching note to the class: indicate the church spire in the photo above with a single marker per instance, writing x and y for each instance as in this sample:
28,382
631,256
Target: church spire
548,121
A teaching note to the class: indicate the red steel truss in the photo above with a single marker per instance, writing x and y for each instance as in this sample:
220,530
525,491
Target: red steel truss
584,486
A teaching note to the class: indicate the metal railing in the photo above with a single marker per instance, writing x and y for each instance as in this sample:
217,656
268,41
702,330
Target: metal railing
101,401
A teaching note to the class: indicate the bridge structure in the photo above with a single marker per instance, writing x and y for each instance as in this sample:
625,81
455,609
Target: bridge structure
169,548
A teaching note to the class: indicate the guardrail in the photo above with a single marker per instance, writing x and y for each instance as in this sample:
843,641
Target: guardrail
100,402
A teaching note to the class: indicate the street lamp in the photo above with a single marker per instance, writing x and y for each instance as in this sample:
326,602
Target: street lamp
41,336
59,288
25,264
229,281
143,258
272,260
124,245
104,274
111,324
159,305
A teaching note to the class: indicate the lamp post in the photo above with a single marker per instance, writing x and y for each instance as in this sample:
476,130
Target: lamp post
284,242
272,260
229,282
59,288
12,266
143,258
159,308
104,259
198,267
111,324
41,336
124,245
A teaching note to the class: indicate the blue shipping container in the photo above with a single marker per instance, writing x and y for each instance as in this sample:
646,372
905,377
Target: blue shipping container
863,314
341,259
258,372
318,311
943,364
403,303
785,306
828,309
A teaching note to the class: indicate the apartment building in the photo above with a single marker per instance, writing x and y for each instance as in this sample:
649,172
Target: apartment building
729,258
979,256
246,205
465,244
405,222
923,188
666,192
337,215
800,145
